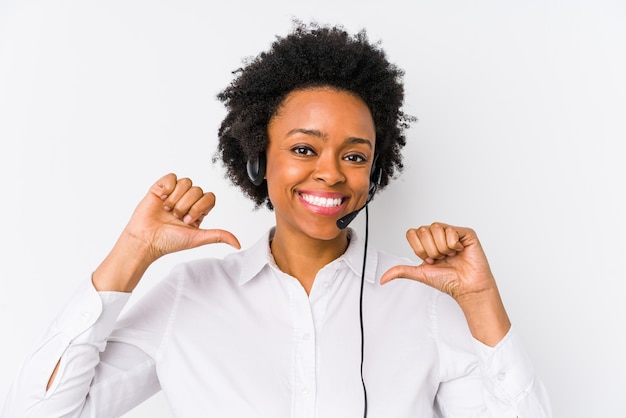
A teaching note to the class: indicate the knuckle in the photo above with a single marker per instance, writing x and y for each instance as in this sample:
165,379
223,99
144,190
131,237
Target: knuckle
196,190
210,199
169,180
185,181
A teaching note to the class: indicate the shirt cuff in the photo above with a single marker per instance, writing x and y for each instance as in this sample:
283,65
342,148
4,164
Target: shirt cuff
508,372
90,315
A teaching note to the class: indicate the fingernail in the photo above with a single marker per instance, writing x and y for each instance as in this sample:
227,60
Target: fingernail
187,219
167,208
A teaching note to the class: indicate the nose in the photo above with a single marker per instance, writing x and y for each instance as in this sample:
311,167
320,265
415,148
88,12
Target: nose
328,169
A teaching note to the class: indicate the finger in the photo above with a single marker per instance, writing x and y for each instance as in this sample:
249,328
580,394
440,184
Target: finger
441,280
164,186
447,239
453,239
415,243
215,236
180,188
404,272
424,235
439,232
187,201
200,208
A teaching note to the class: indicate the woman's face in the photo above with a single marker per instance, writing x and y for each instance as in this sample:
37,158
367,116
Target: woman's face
319,156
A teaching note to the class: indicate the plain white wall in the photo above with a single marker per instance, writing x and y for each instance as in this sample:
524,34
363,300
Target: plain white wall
522,108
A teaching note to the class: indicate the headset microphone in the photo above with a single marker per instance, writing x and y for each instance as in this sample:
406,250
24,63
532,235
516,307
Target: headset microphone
375,177
344,221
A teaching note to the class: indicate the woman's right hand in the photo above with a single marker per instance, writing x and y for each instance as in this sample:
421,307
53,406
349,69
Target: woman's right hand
167,220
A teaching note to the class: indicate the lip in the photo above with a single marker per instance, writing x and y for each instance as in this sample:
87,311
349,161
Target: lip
322,209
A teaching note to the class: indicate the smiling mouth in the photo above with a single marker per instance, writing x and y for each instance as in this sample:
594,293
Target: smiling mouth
322,201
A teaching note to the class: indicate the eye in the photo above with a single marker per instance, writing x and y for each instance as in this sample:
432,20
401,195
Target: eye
303,150
355,158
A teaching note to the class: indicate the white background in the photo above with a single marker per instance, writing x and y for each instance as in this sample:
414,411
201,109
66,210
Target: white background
522,108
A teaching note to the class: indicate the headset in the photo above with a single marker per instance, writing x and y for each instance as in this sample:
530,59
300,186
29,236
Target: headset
256,169
256,172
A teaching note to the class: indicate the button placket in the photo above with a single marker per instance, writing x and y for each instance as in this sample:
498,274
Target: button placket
304,355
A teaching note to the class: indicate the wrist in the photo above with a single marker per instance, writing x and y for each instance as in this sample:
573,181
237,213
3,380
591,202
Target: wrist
124,266
486,316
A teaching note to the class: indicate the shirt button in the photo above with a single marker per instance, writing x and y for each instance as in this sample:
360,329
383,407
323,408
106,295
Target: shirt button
326,285
306,336
501,376
85,316
305,391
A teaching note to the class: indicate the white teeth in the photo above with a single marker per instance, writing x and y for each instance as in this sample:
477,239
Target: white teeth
321,201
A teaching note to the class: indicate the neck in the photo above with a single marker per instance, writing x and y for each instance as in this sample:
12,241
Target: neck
303,257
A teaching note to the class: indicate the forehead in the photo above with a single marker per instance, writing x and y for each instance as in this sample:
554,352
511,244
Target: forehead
324,106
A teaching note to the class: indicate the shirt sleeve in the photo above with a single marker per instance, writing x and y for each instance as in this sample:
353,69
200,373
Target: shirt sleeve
509,379
483,381
75,340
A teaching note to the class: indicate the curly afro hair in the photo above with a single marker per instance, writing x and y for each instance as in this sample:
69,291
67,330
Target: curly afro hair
308,57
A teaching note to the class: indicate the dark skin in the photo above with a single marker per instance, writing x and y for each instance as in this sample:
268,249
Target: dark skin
321,144
318,162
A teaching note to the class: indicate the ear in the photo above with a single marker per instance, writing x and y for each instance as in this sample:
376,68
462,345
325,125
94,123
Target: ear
256,169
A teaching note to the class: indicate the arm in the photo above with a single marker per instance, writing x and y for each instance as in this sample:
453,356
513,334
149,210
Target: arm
59,374
455,263
167,220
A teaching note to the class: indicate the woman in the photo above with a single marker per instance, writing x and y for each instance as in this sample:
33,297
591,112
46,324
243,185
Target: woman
297,325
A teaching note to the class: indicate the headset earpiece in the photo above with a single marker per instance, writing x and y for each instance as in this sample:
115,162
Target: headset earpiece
376,175
256,169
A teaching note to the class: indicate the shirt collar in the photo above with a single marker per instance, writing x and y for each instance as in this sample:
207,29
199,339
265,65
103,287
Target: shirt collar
256,258
353,257
259,256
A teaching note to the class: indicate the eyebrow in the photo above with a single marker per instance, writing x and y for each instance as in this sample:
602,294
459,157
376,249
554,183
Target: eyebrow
319,134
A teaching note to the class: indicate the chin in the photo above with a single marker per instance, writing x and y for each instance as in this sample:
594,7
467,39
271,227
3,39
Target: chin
325,233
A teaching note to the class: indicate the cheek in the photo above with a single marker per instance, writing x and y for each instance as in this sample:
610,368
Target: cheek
281,177
362,184
286,170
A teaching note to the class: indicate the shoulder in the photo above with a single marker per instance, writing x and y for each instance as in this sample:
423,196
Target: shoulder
230,264
436,304
202,271
385,260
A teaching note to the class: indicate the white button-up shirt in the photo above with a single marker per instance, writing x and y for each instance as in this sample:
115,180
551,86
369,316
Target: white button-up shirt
237,337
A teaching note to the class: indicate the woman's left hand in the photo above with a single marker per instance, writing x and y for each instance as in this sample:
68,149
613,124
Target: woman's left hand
454,262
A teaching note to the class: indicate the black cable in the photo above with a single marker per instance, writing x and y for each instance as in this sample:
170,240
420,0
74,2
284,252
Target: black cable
361,311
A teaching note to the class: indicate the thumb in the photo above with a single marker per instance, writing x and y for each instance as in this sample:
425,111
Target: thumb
406,272
214,236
